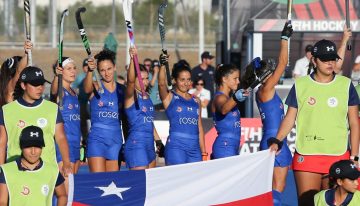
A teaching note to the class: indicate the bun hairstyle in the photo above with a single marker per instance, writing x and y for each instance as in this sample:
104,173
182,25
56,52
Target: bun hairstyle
179,67
223,70
105,54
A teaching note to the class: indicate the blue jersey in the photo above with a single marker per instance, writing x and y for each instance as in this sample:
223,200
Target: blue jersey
71,117
272,113
183,115
228,127
106,110
141,115
228,124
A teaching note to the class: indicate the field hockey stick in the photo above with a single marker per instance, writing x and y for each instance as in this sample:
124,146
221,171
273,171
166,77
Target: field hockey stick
86,43
27,28
126,10
347,22
162,38
60,55
289,14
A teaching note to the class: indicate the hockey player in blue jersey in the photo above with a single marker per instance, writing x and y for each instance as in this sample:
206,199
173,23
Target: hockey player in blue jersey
70,111
226,115
105,137
139,146
186,136
271,109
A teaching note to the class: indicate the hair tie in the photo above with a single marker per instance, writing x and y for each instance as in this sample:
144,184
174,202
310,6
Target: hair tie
10,62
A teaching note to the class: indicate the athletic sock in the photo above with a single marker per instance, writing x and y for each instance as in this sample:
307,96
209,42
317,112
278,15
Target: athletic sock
276,197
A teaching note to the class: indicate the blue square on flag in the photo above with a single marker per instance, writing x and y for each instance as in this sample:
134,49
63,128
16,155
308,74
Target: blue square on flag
110,188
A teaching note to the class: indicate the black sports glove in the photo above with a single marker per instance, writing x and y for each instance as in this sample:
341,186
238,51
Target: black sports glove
287,31
163,59
160,148
274,140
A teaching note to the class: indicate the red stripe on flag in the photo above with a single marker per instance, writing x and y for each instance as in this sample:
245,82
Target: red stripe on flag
332,10
260,200
353,15
316,10
268,25
301,12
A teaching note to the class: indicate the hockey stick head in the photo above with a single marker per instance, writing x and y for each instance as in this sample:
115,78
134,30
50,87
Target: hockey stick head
78,17
257,72
64,13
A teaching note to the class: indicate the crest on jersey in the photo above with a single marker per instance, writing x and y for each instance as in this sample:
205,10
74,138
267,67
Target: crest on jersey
179,109
21,124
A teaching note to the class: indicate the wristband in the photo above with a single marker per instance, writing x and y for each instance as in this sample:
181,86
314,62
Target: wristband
285,38
204,154
355,158
274,140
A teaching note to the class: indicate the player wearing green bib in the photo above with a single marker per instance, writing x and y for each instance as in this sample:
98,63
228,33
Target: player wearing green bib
29,180
30,109
343,183
324,106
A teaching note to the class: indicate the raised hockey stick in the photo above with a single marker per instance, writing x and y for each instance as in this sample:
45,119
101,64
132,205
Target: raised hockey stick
86,43
60,55
347,22
27,28
162,38
126,10
289,14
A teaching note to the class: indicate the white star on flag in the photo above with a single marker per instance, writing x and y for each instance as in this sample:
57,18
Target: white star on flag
112,189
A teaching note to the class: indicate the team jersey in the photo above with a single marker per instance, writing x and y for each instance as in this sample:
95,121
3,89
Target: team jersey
183,115
272,113
228,124
326,198
71,117
141,115
106,110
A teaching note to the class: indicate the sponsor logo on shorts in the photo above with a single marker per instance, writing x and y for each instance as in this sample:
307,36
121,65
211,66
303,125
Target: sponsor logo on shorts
21,124
45,190
332,102
42,122
25,191
311,101
300,159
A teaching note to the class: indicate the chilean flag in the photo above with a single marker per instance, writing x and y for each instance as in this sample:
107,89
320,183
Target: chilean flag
239,180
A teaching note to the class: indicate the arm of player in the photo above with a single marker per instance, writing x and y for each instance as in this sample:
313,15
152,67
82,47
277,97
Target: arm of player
3,144
4,195
165,95
61,140
130,89
285,127
61,195
342,48
21,66
55,82
353,112
88,81
201,133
